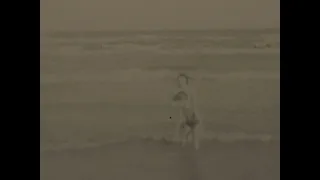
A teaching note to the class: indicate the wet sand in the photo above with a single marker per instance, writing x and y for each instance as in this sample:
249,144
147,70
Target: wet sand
162,160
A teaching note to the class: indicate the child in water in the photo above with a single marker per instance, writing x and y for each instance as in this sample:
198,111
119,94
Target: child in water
189,119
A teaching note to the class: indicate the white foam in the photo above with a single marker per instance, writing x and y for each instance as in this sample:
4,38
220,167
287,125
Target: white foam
208,138
145,75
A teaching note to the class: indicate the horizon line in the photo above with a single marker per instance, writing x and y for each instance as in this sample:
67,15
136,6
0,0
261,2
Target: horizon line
158,29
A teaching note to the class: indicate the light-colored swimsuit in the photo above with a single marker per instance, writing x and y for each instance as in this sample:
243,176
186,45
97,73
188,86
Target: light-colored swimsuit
188,114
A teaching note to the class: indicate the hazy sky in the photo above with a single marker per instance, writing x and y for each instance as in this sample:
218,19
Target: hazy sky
158,14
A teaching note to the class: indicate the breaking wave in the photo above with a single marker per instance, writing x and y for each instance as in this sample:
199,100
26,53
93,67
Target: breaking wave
208,138
154,73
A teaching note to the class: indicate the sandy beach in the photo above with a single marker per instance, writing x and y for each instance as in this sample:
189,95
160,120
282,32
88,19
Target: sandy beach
160,160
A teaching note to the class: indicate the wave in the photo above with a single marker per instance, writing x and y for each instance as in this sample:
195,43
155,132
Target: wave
176,49
178,44
154,73
162,140
166,42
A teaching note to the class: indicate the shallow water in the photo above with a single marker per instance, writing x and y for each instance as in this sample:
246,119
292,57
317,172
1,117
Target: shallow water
101,87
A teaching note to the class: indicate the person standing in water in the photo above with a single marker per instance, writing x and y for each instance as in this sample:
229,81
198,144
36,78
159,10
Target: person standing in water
189,118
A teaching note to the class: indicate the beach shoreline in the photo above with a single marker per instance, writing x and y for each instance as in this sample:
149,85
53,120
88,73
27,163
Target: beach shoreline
164,160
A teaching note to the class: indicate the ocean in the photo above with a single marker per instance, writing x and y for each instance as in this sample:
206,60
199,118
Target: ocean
107,86
105,104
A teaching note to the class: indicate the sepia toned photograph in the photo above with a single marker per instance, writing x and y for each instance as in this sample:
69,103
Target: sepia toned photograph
159,90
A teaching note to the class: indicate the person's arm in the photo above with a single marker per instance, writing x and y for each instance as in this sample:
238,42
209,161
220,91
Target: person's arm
194,103
179,124
192,99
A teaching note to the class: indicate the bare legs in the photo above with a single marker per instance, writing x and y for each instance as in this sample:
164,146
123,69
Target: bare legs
186,138
179,132
184,130
195,140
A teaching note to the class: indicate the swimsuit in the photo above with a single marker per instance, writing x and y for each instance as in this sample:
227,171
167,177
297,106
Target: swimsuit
191,119
189,116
